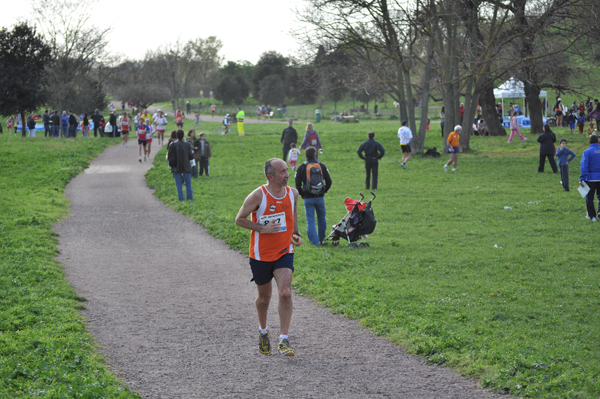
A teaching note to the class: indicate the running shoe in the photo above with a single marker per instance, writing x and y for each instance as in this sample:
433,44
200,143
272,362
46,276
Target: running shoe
285,348
445,168
140,159
403,165
264,346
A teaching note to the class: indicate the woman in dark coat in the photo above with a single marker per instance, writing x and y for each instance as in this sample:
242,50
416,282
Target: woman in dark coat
547,149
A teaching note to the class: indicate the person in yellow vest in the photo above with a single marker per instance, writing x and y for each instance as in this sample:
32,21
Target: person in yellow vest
145,115
240,121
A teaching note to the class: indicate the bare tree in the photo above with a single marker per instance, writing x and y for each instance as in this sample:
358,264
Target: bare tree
78,49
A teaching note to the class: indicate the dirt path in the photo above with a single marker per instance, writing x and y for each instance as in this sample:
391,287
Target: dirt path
173,308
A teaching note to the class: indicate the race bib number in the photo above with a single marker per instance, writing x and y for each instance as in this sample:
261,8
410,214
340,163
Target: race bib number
274,218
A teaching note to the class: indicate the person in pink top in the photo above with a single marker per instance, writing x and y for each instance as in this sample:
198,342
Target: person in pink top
514,128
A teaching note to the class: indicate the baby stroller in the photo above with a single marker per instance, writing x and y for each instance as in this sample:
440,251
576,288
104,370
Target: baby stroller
355,226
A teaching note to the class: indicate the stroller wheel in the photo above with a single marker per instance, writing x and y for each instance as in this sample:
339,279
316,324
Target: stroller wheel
352,245
364,245
335,243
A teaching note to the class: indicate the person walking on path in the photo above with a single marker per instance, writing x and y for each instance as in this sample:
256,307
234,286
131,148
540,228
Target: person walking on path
188,107
112,119
590,174
240,121
96,118
196,121
514,128
405,136
180,154
274,226
547,149
312,139
564,157
309,180
453,147
288,137
213,108
371,151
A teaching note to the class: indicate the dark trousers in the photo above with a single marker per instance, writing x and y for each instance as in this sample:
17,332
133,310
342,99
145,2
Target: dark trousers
371,167
203,165
96,126
564,176
286,151
550,160
589,199
195,170
47,132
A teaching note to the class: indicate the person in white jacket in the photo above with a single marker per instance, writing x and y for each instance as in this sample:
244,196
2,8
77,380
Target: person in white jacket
405,136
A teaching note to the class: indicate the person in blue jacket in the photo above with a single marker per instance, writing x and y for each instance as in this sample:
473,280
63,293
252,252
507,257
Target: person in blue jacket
564,157
590,174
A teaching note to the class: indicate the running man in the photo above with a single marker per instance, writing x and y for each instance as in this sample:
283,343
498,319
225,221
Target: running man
274,226
405,136
125,125
179,117
161,122
141,135
149,132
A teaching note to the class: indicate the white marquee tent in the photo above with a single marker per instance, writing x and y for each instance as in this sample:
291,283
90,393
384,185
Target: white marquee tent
513,88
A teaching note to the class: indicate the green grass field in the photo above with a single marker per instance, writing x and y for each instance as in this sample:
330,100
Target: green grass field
44,348
510,297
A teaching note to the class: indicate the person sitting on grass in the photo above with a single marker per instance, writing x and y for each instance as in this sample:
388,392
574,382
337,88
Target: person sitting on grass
564,157
453,147
591,130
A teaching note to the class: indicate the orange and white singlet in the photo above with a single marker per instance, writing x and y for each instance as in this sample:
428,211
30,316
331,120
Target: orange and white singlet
270,247
179,117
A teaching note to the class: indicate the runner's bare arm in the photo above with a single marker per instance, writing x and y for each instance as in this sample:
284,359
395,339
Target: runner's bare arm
251,204
296,239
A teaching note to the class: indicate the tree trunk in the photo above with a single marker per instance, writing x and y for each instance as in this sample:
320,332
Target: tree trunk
420,139
488,108
409,99
402,96
532,97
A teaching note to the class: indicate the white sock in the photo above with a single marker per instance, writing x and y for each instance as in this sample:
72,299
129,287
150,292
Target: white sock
282,337
266,330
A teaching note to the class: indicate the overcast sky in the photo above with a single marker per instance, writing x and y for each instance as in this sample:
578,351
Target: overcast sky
246,28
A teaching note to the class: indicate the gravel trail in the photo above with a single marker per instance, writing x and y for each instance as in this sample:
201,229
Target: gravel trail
173,308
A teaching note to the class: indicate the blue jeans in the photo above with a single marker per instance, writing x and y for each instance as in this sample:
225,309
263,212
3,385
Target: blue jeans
310,206
55,130
65,131
180,178
72,131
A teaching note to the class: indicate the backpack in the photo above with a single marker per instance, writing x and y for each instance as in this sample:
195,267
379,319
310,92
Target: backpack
314,178
313,138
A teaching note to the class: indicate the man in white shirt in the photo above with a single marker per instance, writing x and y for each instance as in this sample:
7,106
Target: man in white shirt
405,136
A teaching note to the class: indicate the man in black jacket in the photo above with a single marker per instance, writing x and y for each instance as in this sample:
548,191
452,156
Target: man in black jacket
55,120
288,137
547,149
313,202
46,120
112,119
96,118
72,125
180,154
373,152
